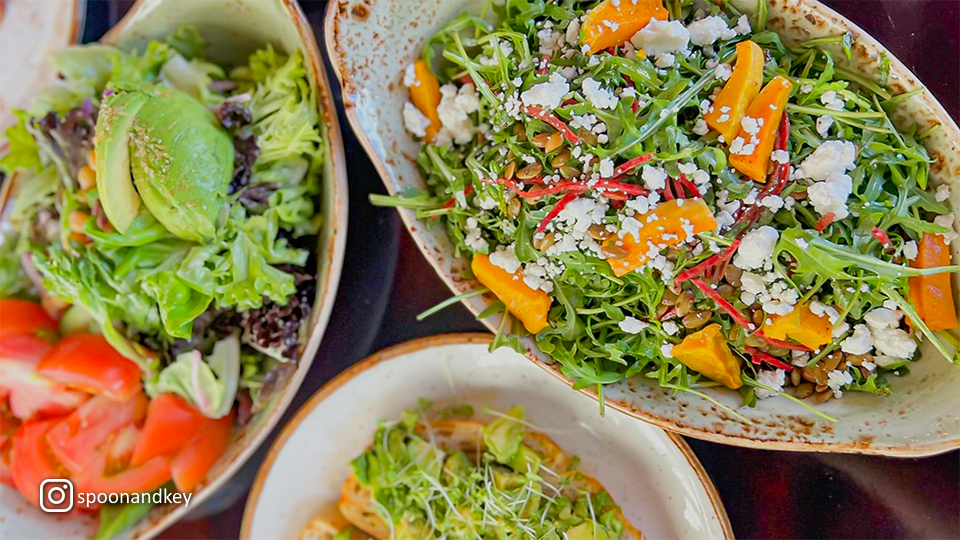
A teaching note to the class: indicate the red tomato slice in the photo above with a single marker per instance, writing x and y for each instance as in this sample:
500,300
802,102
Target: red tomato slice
27,348
77,439
32,394
171,424
101,477
88,362
32,461
190,467
22,317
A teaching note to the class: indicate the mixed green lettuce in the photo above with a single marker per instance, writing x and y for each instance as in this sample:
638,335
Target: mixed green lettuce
170,298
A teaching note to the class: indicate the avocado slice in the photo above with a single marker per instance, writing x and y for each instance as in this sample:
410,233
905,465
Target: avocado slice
182,161
120,200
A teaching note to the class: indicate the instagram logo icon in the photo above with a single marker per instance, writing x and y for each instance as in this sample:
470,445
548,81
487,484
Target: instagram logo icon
56,496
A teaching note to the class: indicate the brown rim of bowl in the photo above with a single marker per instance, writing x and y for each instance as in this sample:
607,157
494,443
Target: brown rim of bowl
913,451
335,248
407,347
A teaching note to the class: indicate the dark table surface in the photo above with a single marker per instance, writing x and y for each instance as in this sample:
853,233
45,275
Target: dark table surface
386,282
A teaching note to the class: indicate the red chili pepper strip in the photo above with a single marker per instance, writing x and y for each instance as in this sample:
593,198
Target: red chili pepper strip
556,210
758,356
559,187
550,118
707,263
881,236
782,344
737,317
668,314
622,169
453,200
629,189
689,186
668,191
824,222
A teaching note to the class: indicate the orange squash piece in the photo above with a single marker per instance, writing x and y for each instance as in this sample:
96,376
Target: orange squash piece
932,296
528,305
425,96
768,106
741,88
612,23
801,325
706,352
666,229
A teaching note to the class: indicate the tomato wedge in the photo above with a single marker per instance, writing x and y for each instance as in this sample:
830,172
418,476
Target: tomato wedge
78,439
32,461
8,427
101,477
171,424
22,317
88,362
32,394
190,467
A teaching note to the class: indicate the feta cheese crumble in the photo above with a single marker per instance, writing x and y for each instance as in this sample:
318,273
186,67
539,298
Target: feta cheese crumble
414,120
598,96
756,248
708,30
772,378
546,94
659,37
632,325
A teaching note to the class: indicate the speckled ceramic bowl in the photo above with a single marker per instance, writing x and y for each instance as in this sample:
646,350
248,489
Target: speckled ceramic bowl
370,43
653,475
233,29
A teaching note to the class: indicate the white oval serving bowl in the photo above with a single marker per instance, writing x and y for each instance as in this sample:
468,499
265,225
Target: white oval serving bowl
653,475
370,43
233,29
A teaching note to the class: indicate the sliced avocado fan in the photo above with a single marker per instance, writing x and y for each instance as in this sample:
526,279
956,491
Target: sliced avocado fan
180,158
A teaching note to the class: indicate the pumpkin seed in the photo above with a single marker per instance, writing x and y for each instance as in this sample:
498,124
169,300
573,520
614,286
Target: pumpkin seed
669,298
588,137
857,359
560,159
510,170
513,208
684,303
814,374
753,341
725,289
795,378
520,132
696,319
732,274
673,253
824,397
530,171
554,141
757,317
598,232
569,172
613,252
832,361
804,390
821,388
543,242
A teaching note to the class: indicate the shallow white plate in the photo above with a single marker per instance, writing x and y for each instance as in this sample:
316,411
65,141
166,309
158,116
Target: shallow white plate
651,474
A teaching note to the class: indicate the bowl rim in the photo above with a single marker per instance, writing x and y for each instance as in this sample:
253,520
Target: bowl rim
396,352
335,248
330,34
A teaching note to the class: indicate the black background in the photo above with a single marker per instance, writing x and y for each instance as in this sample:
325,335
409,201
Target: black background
386,282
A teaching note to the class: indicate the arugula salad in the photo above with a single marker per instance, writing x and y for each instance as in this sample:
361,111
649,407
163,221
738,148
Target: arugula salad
155,266
667,190
446,475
